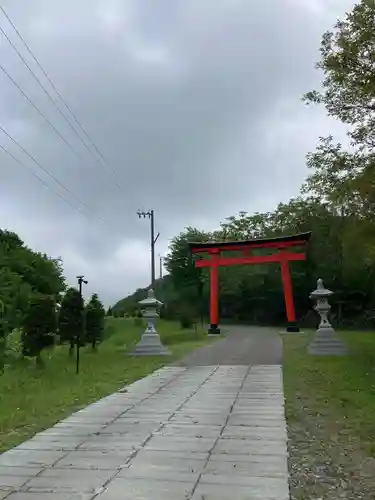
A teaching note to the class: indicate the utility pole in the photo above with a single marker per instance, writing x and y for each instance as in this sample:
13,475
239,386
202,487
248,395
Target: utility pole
150,215
80,281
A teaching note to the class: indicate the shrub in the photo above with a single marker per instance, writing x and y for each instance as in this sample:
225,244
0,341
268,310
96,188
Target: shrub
186,321
71,318
39,326
94,323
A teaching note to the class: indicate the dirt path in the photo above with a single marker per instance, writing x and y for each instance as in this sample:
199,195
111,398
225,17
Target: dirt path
241,345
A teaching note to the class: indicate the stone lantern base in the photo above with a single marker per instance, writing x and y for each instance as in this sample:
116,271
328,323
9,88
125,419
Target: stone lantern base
326,343
150,345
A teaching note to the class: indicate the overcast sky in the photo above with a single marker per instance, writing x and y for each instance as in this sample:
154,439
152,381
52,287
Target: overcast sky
194,104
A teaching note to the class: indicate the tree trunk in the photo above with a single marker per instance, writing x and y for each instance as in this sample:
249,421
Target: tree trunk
93,344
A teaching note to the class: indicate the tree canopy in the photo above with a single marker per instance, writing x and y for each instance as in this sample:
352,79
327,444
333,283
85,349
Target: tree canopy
39,326
70,318
94,320
24,273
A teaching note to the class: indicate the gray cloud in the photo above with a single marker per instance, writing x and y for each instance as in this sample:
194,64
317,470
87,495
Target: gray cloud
195,105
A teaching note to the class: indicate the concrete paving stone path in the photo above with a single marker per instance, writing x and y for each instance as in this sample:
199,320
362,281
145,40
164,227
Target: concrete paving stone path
192,432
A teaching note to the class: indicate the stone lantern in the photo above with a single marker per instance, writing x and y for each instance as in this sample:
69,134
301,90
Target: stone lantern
326,342
150,343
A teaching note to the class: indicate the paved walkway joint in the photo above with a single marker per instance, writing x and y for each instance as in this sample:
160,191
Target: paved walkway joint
204,432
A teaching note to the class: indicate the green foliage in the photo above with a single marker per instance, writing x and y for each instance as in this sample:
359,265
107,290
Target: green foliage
138,321
70,318
344,178
186,321
39,326
94,320
23,273
109,311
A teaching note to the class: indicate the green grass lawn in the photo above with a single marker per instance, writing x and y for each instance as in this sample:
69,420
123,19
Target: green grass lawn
330,409
33,399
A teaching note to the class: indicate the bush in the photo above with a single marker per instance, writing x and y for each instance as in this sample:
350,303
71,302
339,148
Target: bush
70,318
95,314
39,326
186,321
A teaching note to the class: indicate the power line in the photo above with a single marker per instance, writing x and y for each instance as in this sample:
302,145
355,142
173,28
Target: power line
45,184
41,166
38,111
41,180
48,94
25,44
49,173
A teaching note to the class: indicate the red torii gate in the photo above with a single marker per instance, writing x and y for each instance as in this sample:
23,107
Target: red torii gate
282,256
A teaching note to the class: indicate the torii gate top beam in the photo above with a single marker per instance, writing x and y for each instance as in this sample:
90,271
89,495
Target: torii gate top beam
280,242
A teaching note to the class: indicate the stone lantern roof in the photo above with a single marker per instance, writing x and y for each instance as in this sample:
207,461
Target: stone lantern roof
321,292
151,300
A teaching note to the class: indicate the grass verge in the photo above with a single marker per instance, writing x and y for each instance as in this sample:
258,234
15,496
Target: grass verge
33,399
330,407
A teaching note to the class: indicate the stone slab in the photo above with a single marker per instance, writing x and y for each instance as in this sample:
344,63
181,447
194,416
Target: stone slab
173,443
50,445
172,464
269,468
48,496
89,460
254,484
247,447
253,421
12,481
28,458
254,433
198,431
231,492
70,480
159,473
19,471
139,489
278,460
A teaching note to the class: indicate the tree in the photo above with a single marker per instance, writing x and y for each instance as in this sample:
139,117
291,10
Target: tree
39,326
109,311
346,177
3,334
24,272
94,316
70,318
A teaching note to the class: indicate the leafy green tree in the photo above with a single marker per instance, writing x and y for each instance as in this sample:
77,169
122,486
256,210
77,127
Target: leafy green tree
70,318
3,335
345,177
39,326
94,320
24,272
109,311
